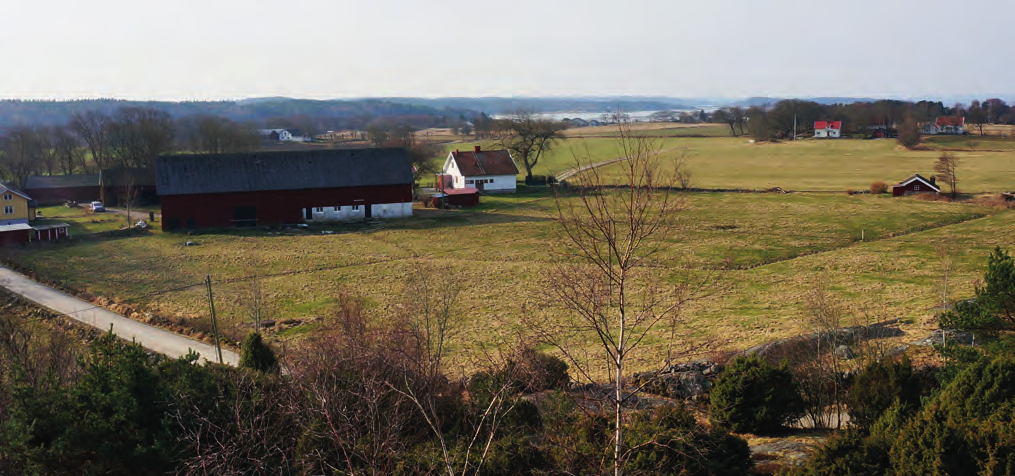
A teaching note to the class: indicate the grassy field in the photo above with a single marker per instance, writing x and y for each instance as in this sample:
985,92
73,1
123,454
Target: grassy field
805,165
779,246
816,165
81,219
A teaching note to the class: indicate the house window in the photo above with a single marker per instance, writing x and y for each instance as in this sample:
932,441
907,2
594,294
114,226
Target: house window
470,181
916,187
355,208
319,209
336,208
9,210
8,197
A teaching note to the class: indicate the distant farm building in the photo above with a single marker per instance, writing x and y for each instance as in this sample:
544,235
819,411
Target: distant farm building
490,171
882,132
283,135
270,188
946,125
120,183
57,189
916,183
827,129
18,207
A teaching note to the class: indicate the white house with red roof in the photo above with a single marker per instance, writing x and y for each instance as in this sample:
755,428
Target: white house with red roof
827,129
490,171
951,125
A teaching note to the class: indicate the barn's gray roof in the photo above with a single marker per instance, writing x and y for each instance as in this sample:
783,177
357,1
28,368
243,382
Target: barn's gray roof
36,182
282,170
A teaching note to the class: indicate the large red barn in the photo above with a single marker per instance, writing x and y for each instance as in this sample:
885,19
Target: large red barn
270,188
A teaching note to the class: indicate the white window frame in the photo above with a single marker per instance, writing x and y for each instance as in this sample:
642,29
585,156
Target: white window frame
8,210
8,196
916,187
355,208
319,209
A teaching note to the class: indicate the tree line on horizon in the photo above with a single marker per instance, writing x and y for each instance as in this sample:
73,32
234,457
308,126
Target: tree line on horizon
776,121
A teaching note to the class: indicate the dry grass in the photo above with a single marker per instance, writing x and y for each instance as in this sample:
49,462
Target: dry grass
779,246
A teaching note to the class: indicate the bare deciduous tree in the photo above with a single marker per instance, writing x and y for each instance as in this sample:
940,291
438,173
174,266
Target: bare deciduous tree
22,147
67,149
946,167
136,136
530,138
732,116
613,231
92,127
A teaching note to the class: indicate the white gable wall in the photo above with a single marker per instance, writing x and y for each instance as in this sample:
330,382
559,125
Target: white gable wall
494,183
358,212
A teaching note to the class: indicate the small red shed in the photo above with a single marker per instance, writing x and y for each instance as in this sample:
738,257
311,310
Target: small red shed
15,234
916,183
456,197
51,232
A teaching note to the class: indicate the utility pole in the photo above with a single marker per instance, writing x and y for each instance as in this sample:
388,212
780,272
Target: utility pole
794,126
214,321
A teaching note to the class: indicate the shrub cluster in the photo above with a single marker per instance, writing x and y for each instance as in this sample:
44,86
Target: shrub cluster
752,396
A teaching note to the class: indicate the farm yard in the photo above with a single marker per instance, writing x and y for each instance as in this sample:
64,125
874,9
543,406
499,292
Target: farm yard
779,247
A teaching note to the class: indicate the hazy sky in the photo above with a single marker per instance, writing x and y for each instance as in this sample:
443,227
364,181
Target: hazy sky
224,49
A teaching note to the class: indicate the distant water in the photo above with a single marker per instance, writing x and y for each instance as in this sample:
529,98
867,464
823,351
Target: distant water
588,116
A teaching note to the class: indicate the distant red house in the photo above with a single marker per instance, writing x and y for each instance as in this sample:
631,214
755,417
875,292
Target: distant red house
916,183
945,125
827,129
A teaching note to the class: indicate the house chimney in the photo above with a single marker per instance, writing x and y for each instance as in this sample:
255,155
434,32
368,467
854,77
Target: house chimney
933,180
457,152
478,149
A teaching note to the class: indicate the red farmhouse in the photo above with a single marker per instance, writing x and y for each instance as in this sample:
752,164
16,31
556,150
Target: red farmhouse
269,188
916,183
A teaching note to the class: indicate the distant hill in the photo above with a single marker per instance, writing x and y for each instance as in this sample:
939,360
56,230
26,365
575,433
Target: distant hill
761,101
502,105
258,110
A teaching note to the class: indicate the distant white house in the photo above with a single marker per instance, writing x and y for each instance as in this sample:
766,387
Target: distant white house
827,129
952,125
490,171
284,135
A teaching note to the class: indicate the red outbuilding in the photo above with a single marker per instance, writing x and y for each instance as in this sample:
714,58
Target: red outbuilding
456,197
50,232
270,188
15,234
916,183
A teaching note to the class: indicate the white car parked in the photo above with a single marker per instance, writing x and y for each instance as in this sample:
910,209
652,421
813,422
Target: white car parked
97,207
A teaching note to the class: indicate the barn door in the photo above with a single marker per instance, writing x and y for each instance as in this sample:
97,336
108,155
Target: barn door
368,212
479,184
245,216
